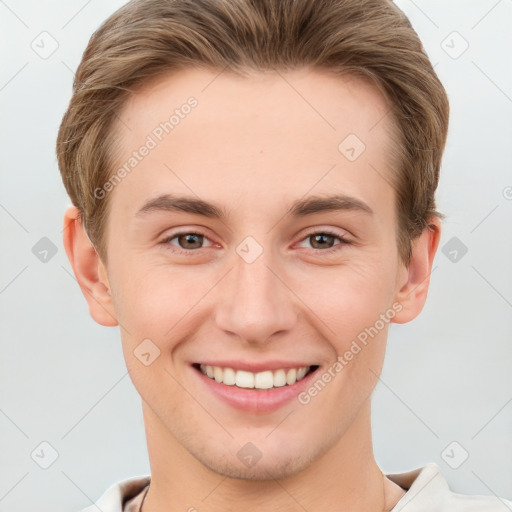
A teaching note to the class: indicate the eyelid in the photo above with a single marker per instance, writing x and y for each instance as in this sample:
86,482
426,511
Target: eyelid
340,233
341,236
171,236
316,230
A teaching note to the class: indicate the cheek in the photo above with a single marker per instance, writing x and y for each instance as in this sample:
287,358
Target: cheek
156,301
348,299
142,293
355,306
161,304
152,308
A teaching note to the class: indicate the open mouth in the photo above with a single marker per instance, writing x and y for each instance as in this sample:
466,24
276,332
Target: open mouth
263,380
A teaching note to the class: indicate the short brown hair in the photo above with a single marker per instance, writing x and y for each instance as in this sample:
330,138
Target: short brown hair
145,39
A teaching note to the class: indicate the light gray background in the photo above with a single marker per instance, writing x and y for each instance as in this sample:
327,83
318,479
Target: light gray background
62,377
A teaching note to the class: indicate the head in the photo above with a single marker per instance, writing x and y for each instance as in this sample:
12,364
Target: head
257,111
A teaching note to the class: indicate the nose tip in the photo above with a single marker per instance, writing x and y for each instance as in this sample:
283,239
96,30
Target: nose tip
255,303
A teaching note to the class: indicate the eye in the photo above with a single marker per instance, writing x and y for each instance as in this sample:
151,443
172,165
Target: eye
322,241
187,242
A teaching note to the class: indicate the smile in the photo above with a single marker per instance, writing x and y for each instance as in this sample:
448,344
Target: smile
261,380
254,387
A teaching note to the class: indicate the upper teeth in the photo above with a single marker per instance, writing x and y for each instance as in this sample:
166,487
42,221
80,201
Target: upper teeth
261,380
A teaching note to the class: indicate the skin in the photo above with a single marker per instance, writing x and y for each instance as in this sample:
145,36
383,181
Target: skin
252,146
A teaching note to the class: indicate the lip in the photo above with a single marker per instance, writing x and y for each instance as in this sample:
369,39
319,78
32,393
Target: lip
257,401
256,367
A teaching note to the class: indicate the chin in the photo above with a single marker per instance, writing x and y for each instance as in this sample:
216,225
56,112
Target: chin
262,470
244,461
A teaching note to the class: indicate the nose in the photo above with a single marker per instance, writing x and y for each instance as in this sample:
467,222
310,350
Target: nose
256,301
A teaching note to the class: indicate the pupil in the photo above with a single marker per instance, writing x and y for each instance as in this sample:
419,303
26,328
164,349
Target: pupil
189,238
321,236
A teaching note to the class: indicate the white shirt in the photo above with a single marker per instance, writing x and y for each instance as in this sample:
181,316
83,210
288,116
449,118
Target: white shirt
427,491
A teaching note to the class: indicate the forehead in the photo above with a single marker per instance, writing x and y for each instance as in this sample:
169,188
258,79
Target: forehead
331,102
297,131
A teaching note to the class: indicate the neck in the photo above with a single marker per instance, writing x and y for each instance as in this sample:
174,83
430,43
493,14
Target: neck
344,478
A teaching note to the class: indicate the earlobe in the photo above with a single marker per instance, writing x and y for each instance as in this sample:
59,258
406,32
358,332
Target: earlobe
88,269
415,279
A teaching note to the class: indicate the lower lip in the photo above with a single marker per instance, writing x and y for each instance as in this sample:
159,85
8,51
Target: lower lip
256,400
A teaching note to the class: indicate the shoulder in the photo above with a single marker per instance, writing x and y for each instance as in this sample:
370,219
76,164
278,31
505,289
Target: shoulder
115,497
428,490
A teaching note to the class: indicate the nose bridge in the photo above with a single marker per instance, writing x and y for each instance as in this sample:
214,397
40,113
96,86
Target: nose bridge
257,303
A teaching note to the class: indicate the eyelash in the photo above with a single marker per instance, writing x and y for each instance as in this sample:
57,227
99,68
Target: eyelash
190,252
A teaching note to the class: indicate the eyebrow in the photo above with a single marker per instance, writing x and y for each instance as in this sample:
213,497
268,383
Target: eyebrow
300,208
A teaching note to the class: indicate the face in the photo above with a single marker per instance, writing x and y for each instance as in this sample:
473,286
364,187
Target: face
257,271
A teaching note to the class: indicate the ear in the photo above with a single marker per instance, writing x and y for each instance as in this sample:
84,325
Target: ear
414,279
88,269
